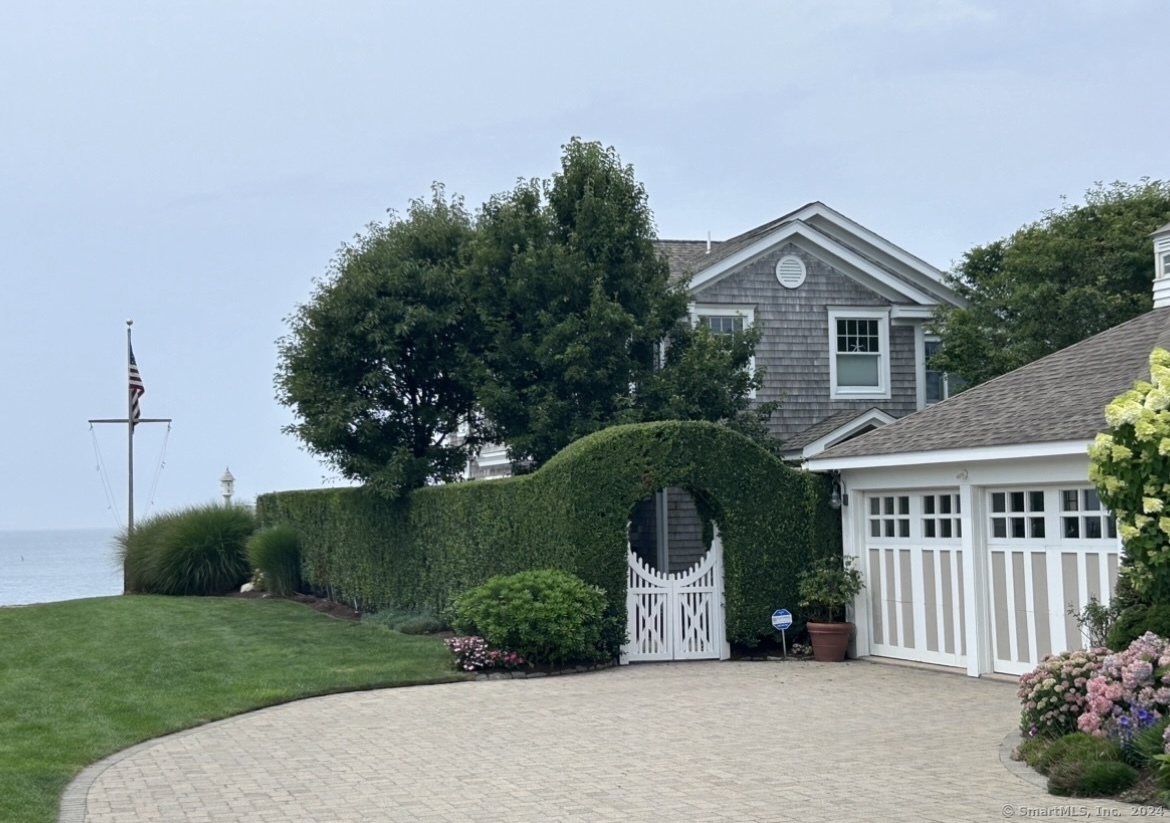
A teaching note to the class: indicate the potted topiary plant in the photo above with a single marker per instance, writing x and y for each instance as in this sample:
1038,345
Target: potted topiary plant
826,588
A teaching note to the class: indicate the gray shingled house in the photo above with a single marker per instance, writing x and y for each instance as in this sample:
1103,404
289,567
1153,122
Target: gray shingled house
974,520
842,315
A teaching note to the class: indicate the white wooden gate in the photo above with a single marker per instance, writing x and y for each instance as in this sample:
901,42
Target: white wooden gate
676,616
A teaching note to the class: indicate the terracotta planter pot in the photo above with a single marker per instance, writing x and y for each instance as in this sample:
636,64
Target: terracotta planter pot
829,640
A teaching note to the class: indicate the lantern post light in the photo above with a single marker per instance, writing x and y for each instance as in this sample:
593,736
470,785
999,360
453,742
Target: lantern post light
227,485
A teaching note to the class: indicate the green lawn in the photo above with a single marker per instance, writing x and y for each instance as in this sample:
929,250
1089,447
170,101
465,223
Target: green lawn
83,679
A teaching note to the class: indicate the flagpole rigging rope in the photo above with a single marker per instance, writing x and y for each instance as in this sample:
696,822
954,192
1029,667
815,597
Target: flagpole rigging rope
161,465
104,478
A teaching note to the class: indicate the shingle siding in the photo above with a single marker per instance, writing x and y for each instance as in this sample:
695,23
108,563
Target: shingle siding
794,338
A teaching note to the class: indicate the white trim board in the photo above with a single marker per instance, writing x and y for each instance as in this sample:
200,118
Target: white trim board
819,245
969,455
844,432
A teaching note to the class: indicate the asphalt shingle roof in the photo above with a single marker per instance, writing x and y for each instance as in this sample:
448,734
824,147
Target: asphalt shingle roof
685,256
1056,398
822,427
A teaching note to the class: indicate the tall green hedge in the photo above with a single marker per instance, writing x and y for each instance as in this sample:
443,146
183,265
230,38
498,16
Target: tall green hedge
572,514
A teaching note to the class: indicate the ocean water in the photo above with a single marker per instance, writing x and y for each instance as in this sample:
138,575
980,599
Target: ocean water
47,566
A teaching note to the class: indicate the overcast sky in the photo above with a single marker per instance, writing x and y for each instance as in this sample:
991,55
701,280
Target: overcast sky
194,165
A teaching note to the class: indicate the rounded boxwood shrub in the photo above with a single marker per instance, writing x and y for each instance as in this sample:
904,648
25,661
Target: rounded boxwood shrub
199,550
1138,619
276,552
547,616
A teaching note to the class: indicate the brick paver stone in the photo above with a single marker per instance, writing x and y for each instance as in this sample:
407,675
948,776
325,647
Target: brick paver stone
693,742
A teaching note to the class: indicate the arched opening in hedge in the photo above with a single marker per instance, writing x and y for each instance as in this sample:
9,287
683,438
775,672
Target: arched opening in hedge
670,529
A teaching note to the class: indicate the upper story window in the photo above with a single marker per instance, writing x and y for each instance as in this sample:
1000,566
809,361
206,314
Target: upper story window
725,320
939,384
722,325
859,349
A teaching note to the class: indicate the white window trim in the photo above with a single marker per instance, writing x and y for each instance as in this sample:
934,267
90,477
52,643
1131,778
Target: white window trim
882,391
748,313
1161,250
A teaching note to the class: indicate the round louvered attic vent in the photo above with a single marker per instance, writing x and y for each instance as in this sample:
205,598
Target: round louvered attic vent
790,271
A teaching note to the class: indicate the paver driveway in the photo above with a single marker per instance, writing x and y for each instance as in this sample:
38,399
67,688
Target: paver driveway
742,741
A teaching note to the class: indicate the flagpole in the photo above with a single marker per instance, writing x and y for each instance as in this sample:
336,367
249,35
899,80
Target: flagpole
129,435
134,389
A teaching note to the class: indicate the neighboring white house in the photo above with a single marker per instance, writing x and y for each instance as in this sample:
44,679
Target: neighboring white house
974,521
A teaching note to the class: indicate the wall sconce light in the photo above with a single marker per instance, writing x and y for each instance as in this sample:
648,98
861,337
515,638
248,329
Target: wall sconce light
839,497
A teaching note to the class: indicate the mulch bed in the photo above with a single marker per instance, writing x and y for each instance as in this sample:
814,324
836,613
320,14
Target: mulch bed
318,604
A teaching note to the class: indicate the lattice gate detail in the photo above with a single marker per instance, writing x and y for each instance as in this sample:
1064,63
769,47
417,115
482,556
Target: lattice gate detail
676,616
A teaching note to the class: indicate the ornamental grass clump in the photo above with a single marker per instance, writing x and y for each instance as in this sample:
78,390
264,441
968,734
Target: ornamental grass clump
199,550
1130,692
1055,693
276,553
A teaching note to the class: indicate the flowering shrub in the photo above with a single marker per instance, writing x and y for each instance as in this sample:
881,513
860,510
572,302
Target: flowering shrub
1055,693
1130,692
1129,467
473,654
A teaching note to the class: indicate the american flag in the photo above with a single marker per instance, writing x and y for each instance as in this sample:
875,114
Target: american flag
136,388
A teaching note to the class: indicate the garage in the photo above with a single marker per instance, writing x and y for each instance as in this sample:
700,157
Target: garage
974,521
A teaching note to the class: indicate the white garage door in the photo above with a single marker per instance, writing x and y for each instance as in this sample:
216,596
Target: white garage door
1049,550
914,579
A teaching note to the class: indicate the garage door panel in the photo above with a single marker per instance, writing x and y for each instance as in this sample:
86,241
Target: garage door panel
1050,550
914,577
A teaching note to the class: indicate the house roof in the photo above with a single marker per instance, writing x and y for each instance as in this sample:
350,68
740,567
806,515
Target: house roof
684,256
1057,398
822,427
901,276
836,428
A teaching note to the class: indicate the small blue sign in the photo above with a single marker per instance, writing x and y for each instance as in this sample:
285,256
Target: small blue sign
781,620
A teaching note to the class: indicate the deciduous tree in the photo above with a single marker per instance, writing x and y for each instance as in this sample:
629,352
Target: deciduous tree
380,365
1077,271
